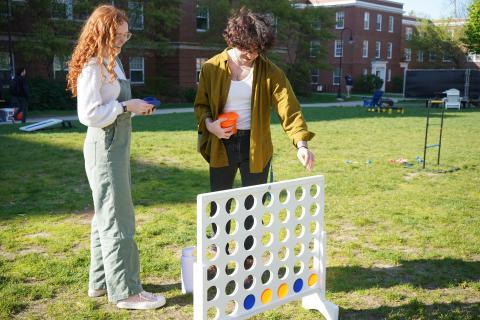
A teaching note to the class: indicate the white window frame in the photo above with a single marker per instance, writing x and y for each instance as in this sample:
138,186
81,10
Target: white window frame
198,15
340,17
365,49
314,73
378,49
408,33
4,61
408,54
432,56
198,67
137,69
365,72
336,76
132,5
391,22
60,64
445,59
389,75
420,55
314,48
379,22
366,20
338,49
389,50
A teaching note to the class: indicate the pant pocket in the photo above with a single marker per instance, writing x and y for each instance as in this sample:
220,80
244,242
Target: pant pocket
110,135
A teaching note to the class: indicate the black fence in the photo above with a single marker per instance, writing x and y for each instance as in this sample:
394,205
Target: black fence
431,83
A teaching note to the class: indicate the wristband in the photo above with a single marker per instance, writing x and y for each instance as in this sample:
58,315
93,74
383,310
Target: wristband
302,147
124,106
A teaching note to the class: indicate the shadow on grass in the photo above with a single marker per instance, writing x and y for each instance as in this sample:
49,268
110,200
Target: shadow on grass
186,121
38,178
423,273
416,310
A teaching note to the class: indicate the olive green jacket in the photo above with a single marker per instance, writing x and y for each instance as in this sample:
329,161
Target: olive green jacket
270,88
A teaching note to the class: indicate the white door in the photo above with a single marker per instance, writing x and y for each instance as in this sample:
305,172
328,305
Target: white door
380,72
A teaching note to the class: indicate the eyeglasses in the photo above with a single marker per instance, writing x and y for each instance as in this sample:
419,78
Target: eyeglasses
126,35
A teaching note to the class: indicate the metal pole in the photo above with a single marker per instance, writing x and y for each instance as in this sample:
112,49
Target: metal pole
10,44
427,105
339,91
440,139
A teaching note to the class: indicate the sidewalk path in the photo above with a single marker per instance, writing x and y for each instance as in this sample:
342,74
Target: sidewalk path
186,110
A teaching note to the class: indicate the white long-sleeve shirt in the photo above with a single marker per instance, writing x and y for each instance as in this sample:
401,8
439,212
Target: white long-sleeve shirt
97,103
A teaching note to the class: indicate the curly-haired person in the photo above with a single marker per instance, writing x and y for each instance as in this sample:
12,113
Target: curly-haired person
105,105
243,80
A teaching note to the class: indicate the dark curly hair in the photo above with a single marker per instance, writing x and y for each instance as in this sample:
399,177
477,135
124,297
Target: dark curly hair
249,31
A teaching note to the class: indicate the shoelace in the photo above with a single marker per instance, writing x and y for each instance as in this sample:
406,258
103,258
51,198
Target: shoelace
147,296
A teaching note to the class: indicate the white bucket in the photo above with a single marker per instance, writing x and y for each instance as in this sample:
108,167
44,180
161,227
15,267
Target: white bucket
187,261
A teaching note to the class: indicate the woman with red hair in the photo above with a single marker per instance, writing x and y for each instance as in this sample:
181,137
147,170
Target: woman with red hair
105,105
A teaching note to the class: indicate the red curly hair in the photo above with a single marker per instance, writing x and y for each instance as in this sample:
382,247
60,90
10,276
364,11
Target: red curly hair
97,40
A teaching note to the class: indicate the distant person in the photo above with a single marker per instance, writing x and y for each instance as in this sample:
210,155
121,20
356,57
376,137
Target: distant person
348,84
19,92
104,104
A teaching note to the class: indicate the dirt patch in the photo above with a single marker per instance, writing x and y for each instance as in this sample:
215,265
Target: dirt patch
38,235
7,255
84,217
411,175
33,249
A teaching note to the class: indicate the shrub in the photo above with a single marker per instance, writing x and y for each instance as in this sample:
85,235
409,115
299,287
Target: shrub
48,94
367,83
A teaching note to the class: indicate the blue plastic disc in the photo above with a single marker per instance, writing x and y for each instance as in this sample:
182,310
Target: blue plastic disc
298,285
249,302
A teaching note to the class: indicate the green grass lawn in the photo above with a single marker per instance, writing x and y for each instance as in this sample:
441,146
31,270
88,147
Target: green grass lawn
403,243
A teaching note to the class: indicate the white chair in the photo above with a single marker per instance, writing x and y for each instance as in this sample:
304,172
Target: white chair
453,99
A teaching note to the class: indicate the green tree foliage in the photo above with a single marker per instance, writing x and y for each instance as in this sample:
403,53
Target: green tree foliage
296,26
472,28
442,41
50,28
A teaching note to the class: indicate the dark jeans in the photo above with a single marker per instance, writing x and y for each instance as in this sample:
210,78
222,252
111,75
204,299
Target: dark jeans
238,152
21,103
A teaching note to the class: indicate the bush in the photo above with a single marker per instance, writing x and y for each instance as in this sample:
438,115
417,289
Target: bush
397,84
367,83
189,94
50,95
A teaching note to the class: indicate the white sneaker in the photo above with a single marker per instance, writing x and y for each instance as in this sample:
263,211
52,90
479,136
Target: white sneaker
142,301
92,293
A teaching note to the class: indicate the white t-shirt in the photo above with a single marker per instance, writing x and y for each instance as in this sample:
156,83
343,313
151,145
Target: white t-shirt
97,104
239,100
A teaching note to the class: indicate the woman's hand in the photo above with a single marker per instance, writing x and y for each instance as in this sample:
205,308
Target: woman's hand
305,157
140,107
215,128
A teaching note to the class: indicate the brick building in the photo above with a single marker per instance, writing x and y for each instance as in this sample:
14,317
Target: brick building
378,28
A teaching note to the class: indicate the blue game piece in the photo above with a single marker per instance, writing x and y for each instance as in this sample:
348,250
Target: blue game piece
298,285
153,101
249,302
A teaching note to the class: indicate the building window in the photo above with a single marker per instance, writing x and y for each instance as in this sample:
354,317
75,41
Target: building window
389,50
389,75
420,56
274,21
198,67
408,54
379,22
60,67
62,9
365,71
314,76
336,76
4,66
340,19
390,24
137,70
314,48
338,48
203,19
135,15
432,56
317,24
378,48
366,21
471,57
365,49
408,33
447,57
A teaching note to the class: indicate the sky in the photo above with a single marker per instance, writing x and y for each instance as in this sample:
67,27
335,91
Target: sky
433,9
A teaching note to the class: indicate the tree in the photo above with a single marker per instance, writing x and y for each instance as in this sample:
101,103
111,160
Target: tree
50,28
296,27
472,28
440,41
